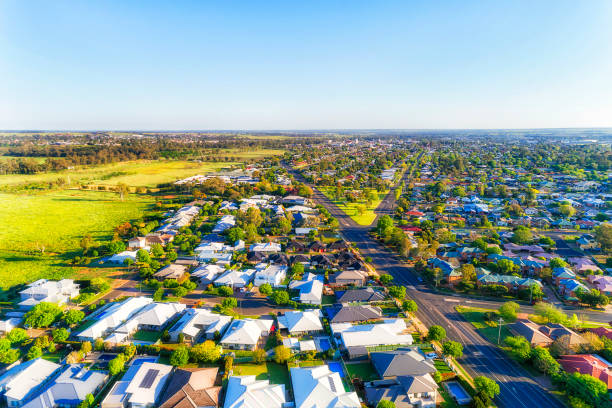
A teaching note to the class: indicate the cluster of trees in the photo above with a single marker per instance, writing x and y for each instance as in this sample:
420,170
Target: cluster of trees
201,353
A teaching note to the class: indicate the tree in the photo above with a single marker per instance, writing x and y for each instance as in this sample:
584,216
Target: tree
398,292
592,297
158,294
519,347
385,278
17,335
361,209
99,344
543,361
259,356
60,334
383,223
116,365
509,311
143,256
86,243
506,266
452,348
34,352
87,402
86,347
557,263
436,333
280,297
410,306
157,250
468,273
282,354
487,386
179,357
73,316
123,190
589,389
129,351
180,291
383,403
265,289
550,312
603,235
207,352
562,346
229,303
567,210
43,314
522,235
225,291
297,269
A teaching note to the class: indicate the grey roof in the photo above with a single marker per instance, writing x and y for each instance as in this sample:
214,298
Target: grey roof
401,362
361,295
347,314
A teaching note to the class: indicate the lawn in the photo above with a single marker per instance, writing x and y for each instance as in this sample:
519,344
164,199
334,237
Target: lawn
364,371
275,373
441,366
56,221
488,329
140,173
148,336
350,209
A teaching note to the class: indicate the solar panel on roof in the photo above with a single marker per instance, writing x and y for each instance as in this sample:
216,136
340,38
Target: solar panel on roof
332,386
148,379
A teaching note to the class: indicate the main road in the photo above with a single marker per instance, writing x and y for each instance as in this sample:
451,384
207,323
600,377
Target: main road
517,387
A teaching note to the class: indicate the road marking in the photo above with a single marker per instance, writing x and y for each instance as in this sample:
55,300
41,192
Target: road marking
452,300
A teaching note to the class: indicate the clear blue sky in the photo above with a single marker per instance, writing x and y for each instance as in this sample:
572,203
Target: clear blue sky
304,65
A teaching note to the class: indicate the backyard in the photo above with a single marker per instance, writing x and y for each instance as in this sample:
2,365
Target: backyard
364,371
275,373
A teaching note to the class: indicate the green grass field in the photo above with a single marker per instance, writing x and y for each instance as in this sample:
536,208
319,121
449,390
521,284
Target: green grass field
275,373
490,330
350,209
139,173
364,371
56,221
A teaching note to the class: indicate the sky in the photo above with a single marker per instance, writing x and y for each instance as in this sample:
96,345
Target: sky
261,65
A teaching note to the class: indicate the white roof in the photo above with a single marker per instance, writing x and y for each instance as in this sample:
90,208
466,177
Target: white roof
387,332
265,247
247,392
207,272
195,320
308,320
246,331
319,387
19,380
233,277
148,383
153,314
114,315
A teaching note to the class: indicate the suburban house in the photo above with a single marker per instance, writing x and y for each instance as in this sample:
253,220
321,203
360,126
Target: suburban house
267,247
301,322
69,388
199,323
120,258
244,334
191,388
206,274
235,278
9,324
172,271
602,283
364,295
389,332
588,364
110,317
348,278
273,275
350,314
23,381
226,222
530,331
405,392
310,289
319,387
44,290
602,331
151,317
145,388
248,392
401,362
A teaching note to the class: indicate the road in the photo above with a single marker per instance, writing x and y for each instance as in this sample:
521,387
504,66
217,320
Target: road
517,387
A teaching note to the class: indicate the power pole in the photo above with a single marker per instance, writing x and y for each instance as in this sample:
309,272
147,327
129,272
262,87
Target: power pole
499,331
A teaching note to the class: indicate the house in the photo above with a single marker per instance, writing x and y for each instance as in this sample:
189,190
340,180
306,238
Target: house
9,324
401,362
235,278
570,287
244,334
112,316
296,200
191,388
197,323
405,392
319,387
69,388
226,222
317,246
560,274
310,289
172,271
145,388
273,275
556,330
602,332
389,332
267,247
137,243
588,364
602,283
120,258
350,314
348,278
44,290
151,317
302,322
530,331
206,274
22,381
364,295
248,392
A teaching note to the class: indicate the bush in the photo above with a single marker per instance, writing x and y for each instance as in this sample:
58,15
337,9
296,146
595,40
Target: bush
225,291
60,334
265,289
73,316
179,357
43,314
